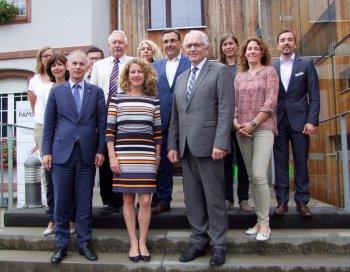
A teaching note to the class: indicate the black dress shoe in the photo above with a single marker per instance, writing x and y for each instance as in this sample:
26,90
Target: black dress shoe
161,208
217,257
57,257
88,253
134,259
109,209
191,253
145,258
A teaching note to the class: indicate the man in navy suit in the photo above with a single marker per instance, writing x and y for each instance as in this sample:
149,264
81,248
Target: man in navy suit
298,109
168,69
73,146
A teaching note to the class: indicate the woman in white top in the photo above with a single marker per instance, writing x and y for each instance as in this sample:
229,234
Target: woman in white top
39,87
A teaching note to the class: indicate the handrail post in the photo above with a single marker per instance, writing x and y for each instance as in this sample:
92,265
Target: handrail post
10,165
345,160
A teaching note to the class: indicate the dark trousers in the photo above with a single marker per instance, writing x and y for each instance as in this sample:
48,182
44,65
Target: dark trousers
243,182
165,174
106,180
50,199
300,148
73,181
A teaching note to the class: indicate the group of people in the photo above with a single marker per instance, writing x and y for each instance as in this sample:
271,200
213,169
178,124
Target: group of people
133,118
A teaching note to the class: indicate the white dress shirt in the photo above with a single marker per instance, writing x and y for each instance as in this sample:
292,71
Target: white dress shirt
286,71
171,68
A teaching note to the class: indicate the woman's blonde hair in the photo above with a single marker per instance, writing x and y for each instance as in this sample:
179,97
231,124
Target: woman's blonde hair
39,69
266,55
156,53
150,84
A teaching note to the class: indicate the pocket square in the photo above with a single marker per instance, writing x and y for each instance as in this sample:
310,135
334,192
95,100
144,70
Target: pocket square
299,74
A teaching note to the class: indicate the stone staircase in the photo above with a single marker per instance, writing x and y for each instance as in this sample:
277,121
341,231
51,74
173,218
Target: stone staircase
25,249
320,243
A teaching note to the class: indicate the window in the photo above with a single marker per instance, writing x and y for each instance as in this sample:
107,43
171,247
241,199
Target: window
22,7
24,12
176,13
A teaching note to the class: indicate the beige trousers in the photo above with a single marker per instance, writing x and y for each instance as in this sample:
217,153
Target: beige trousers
256,152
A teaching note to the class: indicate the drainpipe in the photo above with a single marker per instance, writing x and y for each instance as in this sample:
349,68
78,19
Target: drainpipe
119,15
259,30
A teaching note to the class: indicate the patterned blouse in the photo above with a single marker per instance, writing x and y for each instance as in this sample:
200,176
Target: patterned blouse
254,94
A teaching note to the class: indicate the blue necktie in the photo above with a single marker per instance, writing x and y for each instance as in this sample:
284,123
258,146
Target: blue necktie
77,96
191,83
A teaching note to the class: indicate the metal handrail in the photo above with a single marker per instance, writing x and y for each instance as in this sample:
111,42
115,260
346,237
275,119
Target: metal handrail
344,155
10,163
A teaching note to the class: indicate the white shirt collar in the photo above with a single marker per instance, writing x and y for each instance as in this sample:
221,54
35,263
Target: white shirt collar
290,60
174,59
200,65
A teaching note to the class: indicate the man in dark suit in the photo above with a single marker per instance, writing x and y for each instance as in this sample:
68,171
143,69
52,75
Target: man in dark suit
73,146
298,109
199,131
168,69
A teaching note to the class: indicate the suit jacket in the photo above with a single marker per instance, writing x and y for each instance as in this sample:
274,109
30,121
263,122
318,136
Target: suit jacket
301,102
62,123
101,72
165,91
205,120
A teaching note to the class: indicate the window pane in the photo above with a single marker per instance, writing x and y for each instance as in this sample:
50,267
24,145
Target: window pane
186,13
22,6
158,12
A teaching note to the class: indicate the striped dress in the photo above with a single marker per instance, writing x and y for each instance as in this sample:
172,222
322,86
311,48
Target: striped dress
133,124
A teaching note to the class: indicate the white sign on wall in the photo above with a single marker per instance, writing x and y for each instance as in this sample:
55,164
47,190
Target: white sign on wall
25,144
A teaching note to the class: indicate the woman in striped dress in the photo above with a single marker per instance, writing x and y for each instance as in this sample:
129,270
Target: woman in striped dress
133,139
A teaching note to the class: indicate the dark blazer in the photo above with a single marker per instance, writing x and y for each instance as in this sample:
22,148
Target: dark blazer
205,120
62,123
165,91
301,102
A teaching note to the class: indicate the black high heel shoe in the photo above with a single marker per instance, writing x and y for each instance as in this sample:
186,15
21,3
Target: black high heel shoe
135,259
145,258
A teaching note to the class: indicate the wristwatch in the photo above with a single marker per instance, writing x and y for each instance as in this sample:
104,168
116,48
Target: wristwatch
254,124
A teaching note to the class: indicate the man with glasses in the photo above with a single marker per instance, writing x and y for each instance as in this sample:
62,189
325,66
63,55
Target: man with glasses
168,69
94,54
199,133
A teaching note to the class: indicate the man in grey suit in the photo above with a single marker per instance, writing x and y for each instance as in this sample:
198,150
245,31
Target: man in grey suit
298,108
199,132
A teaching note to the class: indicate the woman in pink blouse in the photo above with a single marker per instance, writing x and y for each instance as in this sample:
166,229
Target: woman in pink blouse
256,91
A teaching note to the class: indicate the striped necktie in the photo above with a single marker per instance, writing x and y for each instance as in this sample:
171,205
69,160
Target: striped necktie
113,80
191,83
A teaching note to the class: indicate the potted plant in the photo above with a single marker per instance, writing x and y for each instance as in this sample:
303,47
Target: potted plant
8,11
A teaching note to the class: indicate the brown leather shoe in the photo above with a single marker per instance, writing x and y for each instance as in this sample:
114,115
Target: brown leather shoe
161,208
281,209
303,209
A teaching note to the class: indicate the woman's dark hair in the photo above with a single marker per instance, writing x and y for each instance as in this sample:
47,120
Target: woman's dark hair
222,56
52,60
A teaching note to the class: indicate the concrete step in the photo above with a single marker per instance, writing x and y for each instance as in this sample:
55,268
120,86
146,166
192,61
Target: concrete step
282,241
16,260
323,217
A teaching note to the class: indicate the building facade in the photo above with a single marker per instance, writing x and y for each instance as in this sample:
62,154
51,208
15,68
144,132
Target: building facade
322,28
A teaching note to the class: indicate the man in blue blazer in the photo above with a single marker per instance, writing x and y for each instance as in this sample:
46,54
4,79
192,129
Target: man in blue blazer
168,69
73,146
298,109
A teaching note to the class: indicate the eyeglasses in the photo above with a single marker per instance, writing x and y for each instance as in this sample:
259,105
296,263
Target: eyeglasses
94,59
195,45
45,56
170,41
